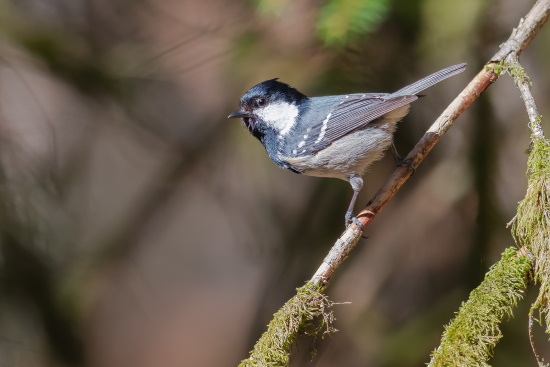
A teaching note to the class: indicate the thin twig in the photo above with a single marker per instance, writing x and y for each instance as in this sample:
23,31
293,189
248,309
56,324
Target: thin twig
524,85
532,339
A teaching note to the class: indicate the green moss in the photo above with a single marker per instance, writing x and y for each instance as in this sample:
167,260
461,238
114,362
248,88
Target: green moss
296,317
471,336
497,67
514,70
531,227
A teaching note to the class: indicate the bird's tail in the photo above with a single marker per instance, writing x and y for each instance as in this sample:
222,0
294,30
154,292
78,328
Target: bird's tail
431,79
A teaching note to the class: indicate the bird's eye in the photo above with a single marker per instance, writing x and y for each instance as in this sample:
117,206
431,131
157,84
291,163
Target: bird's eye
261,102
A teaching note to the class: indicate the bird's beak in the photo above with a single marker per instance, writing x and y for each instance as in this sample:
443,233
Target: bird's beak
238,113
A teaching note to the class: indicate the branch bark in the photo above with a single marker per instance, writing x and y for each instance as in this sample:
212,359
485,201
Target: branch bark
508,52
523,82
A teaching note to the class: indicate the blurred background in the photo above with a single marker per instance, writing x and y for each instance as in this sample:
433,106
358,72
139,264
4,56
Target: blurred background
141,227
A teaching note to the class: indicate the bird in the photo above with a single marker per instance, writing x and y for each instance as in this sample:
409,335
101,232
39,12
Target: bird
336,136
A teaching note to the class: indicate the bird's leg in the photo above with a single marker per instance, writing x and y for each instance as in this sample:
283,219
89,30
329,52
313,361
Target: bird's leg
356,184
400,161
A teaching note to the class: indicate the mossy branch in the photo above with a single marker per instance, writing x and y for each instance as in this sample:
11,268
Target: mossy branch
531,227
472,335
470,338
295,317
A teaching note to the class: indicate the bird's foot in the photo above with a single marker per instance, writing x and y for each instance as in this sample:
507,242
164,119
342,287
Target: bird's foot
400,161
358,223
350,218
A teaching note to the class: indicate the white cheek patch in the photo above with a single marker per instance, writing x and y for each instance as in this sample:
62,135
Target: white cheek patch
280,116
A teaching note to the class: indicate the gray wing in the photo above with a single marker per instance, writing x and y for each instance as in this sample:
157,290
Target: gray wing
337,116
336,120
355,114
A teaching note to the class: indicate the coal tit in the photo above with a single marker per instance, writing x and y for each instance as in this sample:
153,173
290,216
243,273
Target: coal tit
332,136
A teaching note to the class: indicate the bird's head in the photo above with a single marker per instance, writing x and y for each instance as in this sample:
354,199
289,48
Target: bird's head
269,105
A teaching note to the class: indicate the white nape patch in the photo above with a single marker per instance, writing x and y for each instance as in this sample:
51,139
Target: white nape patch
323,128
280,116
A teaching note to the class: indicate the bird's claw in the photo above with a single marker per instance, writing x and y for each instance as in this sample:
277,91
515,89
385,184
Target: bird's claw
350,218
358,223
400,161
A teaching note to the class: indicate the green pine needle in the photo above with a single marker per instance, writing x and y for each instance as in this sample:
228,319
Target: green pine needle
341,20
